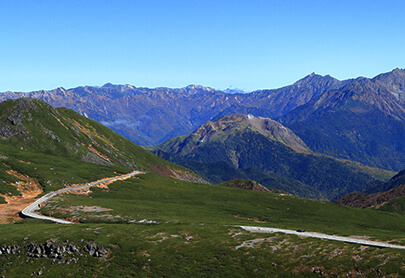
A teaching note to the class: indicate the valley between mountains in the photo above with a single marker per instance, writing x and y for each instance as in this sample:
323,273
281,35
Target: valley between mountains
319,156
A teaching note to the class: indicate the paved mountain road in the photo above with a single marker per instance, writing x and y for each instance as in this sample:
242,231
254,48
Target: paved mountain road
30,210
322,236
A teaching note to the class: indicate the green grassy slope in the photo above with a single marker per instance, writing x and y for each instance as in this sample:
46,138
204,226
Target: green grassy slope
172,201
196,234
58,147
396,205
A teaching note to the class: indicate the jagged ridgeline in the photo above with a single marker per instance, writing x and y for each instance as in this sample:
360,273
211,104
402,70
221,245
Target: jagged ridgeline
58,146
363,121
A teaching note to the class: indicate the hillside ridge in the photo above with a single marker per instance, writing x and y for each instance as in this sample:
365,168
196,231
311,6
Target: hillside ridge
39,143
261,149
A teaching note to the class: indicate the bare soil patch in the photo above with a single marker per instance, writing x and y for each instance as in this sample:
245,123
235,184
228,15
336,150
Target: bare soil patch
29,189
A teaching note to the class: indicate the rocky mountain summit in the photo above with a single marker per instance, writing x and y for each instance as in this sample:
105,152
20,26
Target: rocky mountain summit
278,132
270,128
362,121
394,82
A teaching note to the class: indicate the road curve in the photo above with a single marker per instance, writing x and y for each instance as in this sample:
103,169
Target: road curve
322,236
30,210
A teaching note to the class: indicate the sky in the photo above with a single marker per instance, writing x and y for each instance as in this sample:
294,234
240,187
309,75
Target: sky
248,44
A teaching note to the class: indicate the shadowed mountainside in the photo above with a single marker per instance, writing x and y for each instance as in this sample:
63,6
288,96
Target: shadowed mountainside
390,200
239,149
363,121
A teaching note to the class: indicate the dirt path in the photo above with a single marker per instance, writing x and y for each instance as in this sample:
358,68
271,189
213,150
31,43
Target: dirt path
9,213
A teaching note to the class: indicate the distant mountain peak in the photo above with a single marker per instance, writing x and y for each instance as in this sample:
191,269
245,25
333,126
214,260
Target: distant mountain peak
314,77
398,71
394,82
198,87
233,90
118,87
59,90
392,75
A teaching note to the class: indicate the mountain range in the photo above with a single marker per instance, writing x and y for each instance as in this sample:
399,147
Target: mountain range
359,119
150,116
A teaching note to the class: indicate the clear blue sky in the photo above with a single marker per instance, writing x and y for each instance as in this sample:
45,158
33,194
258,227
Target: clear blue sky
247,44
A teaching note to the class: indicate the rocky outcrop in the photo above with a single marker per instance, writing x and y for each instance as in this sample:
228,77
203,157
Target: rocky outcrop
95,250
248,185
9,249
190,177
95,159
50,250
60,252
12,123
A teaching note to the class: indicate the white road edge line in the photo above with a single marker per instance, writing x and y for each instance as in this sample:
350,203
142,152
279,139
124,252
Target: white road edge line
30,210
253,229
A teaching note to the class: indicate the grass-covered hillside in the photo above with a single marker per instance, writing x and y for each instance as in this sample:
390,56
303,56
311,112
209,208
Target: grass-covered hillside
240,146
153,226
55,147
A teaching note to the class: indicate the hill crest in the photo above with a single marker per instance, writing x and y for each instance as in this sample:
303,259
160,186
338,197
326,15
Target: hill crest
271,129
263,150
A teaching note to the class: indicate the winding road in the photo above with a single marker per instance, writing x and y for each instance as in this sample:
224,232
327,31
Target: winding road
30,210
323,236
